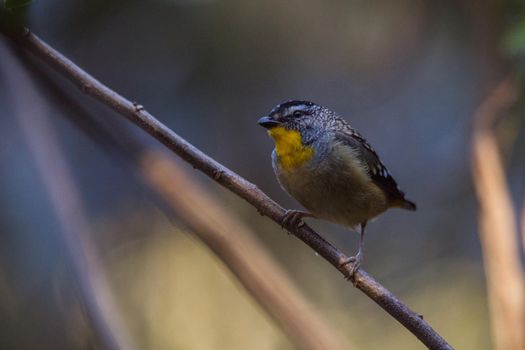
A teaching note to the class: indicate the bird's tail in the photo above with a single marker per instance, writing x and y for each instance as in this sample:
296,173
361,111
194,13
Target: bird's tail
408,205
404,204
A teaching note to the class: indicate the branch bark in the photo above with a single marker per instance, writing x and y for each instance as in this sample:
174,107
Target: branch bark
218,228
227,178
497,223
235,245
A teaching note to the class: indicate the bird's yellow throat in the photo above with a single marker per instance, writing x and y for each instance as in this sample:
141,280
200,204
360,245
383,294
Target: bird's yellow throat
289,147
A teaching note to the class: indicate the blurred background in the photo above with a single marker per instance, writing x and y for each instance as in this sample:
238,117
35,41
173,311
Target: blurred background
408,74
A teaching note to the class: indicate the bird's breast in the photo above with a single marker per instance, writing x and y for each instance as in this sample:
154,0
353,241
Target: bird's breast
289,148
334,186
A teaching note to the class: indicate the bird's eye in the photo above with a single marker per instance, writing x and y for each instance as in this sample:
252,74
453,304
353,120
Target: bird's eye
298,114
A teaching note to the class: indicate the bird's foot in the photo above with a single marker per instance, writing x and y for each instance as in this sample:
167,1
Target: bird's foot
356,264
294,218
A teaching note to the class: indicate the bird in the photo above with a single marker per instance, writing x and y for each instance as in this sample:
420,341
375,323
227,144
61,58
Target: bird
330,169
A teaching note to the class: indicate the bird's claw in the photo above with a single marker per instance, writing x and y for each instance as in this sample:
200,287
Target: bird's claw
293,218
356,264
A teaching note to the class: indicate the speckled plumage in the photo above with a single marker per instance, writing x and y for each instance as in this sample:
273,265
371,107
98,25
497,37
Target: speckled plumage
345,181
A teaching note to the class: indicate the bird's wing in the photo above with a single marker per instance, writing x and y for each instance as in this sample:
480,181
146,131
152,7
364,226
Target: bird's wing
376,169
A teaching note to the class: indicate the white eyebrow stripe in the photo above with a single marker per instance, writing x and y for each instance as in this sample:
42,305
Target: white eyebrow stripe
297,108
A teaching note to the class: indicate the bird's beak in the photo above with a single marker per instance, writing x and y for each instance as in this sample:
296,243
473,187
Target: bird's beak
268,123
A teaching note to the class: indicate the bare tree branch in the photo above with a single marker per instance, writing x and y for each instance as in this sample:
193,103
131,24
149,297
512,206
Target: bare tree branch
65,199
498,231
246,190
233,242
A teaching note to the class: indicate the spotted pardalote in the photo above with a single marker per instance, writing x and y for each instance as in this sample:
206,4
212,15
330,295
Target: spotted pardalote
321,161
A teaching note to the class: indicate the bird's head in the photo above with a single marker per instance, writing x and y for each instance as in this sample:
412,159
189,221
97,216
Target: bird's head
296,118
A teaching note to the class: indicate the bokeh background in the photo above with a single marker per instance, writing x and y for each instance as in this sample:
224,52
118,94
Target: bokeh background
408,74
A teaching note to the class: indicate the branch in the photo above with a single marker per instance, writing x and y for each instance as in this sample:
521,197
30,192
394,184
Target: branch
498,232
218,228
58,181
235,245
243,188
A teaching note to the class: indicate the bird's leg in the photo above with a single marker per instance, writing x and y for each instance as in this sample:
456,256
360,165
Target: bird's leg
293,218
357,259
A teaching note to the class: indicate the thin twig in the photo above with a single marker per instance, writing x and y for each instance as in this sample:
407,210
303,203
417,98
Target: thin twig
235,245
232,241
246,190
75,232
498,231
